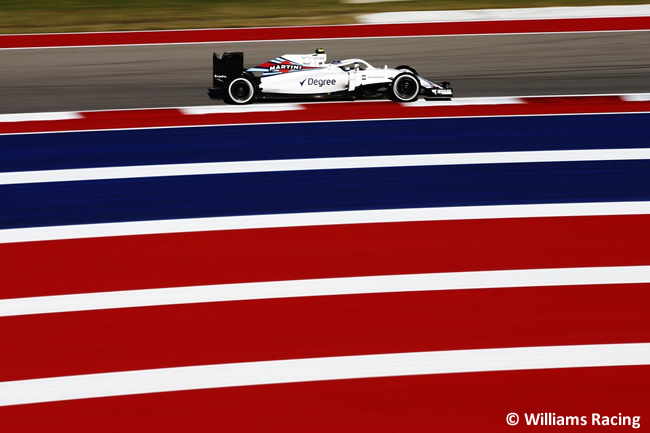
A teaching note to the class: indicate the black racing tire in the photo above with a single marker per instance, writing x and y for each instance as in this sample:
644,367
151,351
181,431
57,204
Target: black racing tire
408,68
240,91
405,88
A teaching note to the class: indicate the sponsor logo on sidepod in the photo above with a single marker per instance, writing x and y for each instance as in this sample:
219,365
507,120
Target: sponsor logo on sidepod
284,67
318,82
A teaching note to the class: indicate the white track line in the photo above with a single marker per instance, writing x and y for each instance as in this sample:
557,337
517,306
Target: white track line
320,369
190,225
325,287
283,165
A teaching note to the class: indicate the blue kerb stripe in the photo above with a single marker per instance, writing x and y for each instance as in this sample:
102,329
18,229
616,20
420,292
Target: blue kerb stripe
320,140
65,203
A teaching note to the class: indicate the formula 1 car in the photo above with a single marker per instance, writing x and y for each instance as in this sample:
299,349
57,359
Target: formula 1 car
308,76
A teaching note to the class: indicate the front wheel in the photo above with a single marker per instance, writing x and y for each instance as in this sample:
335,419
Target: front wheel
241,90
408,68
406,88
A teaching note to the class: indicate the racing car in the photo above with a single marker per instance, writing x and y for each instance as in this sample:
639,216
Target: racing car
309,76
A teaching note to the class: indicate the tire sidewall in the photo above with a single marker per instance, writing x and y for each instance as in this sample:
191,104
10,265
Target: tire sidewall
405,98
240,100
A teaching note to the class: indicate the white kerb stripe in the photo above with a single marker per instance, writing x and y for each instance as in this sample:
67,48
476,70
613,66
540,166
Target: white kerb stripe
32,117
325,287
636,97
190,225
540,13
496,100
283,165
223,109
319,369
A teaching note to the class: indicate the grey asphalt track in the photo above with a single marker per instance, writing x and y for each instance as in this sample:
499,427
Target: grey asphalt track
70,79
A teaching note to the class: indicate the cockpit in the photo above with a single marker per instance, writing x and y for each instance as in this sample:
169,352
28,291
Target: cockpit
352,64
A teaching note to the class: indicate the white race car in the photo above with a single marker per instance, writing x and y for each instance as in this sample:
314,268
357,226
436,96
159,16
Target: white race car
309,76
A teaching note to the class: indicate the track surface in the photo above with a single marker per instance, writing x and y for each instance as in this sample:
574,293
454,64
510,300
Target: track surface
90,78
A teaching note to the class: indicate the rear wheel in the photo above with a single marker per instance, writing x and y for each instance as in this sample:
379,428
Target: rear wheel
241,90
406,88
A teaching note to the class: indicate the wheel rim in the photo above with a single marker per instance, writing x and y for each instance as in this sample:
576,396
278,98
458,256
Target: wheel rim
406,88
241,90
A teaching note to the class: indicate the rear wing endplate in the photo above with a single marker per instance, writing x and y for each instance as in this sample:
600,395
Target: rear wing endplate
227,67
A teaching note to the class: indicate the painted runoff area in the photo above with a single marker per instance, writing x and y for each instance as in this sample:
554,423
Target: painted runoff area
568,174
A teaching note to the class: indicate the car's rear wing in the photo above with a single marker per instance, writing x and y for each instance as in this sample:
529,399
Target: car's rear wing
226,67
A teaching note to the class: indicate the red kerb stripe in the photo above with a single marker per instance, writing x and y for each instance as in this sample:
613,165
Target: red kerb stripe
448,403
325,32
243,331
184,259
